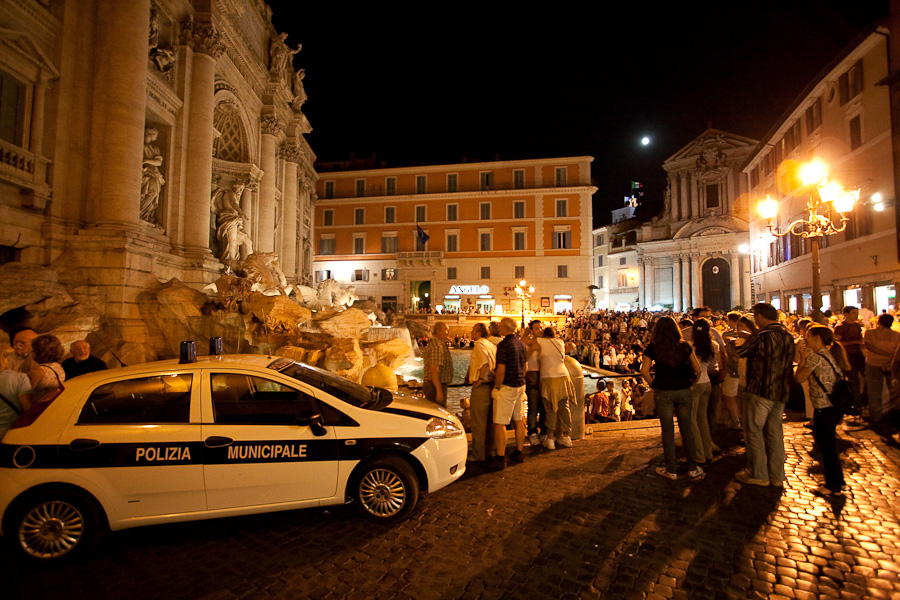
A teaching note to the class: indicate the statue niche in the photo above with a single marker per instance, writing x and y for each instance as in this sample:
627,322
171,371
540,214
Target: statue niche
230,234
151,178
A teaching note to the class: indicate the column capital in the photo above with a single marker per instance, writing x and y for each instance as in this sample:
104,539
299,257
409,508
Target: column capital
291,152
270,124
202,38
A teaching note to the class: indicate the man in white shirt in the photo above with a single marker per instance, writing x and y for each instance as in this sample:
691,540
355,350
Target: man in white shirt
479,375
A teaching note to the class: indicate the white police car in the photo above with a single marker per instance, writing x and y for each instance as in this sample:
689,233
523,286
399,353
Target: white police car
223,436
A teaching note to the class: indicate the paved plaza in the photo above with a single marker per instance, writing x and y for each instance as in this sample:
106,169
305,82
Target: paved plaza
588,522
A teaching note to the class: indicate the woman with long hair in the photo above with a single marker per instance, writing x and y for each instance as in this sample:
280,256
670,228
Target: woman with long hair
706,351
674,364
48,374
824,359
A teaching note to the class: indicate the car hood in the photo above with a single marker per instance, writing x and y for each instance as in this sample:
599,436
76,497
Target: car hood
412,406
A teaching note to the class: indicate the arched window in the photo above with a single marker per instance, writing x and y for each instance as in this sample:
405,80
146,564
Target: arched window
231,144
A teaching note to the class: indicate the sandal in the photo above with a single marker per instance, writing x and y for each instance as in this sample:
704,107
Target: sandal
824,491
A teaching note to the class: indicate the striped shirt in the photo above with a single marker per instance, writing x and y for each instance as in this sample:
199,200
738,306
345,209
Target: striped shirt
770,359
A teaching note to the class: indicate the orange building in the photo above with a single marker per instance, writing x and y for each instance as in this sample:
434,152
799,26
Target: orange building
461,235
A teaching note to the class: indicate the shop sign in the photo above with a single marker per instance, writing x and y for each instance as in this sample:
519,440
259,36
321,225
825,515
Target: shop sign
470,289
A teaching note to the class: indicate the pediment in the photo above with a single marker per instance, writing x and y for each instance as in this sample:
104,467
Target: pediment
721,141
711,225
21,44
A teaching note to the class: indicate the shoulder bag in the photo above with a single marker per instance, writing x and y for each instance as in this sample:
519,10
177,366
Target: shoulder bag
844,395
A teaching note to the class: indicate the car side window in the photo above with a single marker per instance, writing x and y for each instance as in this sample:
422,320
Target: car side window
153,399
246,399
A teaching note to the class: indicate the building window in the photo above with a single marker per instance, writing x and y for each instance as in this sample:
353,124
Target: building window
712,195
328,217
359,216
390,186
359,245
451,273
453,212
484,211
814,116
623,279
519,209
420,243
326,246
519,179
562,240
561,177
754,176
562,208
855,133
485,272
519,272
452,242
421,184
389,274
323,275
768,164
792,137
600,281
360,188
452,182
850,84
390,214
484,242
361,275
519,240
487,180
329,190
598,240
562,271
420,213
600,261
623,261
389,244
12,106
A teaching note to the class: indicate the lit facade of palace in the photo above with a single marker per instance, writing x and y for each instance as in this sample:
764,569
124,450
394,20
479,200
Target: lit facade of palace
120,121
456,236
843,120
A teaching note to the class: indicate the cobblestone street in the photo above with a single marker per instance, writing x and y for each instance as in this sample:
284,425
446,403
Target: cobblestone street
588,522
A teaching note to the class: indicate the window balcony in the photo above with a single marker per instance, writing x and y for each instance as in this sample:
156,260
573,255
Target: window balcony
420,259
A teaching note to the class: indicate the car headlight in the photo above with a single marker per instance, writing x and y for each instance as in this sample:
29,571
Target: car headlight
442,428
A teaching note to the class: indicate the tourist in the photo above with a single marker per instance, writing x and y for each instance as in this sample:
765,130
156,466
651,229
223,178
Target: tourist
48,375
824,359
509,392
850,334
769,352
557,391
706,351
81,361
881,344
482,363
675,365
438,371
533,384
15,392
730,370
21,343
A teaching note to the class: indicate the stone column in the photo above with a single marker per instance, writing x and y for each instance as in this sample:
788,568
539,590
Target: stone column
676,283
695,281
735,262
268,150
247,206
292,154
119,112
642,274
36,137
203,40
683,198
685,282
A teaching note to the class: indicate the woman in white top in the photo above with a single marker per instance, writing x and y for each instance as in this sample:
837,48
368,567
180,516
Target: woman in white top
706,350
557,390
48,375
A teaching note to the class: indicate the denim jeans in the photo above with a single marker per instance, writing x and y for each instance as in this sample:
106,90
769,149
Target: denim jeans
876,381
671,404
765,438
700,422
824,423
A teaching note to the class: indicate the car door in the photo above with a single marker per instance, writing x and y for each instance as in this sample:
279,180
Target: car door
255,452
135,440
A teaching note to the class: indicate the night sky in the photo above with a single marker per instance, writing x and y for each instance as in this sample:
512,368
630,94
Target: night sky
500,80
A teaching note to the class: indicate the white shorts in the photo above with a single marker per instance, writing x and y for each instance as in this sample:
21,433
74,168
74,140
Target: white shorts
509,404
730,386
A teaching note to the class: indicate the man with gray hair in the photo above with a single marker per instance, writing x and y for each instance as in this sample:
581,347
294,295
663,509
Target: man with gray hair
438,371
509,392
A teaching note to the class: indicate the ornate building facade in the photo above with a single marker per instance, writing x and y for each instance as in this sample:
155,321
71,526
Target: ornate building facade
143,141
695,252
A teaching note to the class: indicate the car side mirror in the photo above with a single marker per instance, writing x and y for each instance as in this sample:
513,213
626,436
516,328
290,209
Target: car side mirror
313,420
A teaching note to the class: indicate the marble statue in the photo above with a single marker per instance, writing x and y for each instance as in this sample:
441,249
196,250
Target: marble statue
280,54
230,225
328,293
151,179
299,91
265,275
163,58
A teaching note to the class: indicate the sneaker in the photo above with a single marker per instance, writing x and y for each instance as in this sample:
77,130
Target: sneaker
665,473
588,431
534,440
517,456
697,473
778,484
550,443
497,463
744,477
565,441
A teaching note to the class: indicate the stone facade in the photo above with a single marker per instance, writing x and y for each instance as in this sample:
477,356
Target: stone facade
129,117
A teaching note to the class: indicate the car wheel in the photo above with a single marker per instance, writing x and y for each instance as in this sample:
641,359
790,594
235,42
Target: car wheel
54,525
386,490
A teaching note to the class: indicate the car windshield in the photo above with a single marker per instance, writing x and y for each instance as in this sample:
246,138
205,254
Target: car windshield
340,388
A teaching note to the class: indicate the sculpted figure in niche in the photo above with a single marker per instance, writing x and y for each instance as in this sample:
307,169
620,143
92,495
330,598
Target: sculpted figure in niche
299,92
279,54
151,179
230,225
163,58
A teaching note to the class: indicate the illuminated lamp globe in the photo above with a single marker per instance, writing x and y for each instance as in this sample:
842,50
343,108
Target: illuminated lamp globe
768,208
813,173
844,202
830,192
380,376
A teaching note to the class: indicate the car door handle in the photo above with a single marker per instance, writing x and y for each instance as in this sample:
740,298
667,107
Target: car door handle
217,441
84,444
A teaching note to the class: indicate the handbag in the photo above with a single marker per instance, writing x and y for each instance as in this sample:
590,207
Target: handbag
844,395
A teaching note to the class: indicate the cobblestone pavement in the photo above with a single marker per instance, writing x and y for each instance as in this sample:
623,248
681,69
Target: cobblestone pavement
588,522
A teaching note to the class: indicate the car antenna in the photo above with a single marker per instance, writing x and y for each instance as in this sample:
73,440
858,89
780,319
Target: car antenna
266,326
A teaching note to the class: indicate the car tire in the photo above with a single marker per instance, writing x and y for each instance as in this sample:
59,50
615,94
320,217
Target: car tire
53,525
386,490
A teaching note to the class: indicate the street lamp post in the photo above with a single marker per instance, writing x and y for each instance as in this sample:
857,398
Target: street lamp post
524,292
827,207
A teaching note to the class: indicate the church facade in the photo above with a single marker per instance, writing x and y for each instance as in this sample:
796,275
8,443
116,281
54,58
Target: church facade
695,252
144,141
